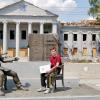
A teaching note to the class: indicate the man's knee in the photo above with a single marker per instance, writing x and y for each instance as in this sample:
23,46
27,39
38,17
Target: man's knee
14,74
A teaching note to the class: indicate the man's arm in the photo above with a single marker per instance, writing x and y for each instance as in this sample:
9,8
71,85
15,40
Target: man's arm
8,59
53,68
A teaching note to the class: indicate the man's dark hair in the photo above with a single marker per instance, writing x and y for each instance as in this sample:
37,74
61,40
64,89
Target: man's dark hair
53,49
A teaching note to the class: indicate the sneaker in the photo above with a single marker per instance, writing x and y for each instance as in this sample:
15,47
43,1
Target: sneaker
48,90
52,89
41,89
22,88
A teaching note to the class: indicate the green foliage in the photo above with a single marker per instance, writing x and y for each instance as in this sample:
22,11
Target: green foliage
92,2
95,8
98,21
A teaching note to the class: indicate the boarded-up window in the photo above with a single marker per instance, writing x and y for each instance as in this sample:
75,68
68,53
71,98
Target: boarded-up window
11,52
84,51
74,52
65,51
94,51
23,52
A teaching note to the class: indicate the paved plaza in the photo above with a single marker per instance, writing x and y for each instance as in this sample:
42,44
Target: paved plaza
29,75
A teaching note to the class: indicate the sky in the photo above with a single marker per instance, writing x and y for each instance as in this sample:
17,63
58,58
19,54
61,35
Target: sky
67,10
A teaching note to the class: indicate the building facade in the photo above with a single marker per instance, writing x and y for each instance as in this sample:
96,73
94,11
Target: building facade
20,19
80,42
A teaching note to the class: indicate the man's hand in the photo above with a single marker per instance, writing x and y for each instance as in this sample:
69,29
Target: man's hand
16,59
52,69
47,73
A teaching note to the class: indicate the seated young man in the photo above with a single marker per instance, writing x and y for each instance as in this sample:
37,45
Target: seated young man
55,60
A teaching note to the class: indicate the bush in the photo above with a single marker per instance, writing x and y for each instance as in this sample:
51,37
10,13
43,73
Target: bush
81,61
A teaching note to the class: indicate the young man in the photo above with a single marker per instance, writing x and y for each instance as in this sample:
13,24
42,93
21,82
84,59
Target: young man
55,60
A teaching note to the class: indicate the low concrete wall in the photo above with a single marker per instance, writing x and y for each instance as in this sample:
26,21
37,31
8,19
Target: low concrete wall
82,70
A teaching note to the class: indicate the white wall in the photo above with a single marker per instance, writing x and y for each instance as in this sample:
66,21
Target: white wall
24,43
36,26
12,43
80,44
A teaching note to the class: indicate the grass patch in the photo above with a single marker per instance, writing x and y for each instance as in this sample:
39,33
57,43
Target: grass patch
81,61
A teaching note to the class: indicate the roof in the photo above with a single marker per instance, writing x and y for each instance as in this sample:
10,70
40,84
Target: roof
26,9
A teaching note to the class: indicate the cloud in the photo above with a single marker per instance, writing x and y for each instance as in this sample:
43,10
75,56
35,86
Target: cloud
55,5
59,7
2,4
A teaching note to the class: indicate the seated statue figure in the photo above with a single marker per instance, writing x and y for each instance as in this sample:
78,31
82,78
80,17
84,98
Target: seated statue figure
8,72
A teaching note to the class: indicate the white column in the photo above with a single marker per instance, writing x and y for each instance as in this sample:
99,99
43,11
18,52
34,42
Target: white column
54,28
41,28
70,43
79,38
29,28
29,32
98,41
97,37
17,39
89,42
4,37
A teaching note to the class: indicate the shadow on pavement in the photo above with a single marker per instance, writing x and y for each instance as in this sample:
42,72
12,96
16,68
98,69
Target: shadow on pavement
60,89
12,87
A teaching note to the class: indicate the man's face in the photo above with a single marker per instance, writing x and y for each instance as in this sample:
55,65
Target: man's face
53,52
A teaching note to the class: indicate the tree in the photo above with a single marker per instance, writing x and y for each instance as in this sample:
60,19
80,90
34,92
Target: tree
95,8
92,2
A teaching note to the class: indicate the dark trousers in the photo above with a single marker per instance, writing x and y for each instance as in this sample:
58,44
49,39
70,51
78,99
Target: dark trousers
44,77
14,76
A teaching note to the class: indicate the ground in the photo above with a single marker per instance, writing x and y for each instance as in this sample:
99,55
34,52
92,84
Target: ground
29,76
